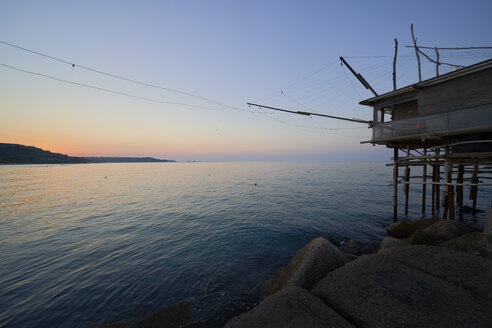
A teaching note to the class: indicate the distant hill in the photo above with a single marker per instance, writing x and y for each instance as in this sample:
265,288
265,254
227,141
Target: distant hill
20,154
126,160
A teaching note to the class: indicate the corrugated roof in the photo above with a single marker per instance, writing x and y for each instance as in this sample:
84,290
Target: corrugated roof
435,80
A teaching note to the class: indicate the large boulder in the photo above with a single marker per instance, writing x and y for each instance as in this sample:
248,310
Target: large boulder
377,291
308,266
290,307
487,222
420,237
403,229
390,242
443,230
475,243
464,270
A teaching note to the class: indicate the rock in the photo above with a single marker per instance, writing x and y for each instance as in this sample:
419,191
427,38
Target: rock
390,242
350,247
475,243
467,271
376,291
308,266
420,237
290,307
350,256
487,222
402,229
443,230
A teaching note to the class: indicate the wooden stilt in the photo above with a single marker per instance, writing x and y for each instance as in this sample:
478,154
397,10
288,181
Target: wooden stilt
406,187
474,189
395,183
445,198
433,188
438,179
459,190
424,179
451,200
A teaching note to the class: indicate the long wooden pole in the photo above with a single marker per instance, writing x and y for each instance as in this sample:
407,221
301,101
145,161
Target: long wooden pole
311,114
359,77
416,52
394,64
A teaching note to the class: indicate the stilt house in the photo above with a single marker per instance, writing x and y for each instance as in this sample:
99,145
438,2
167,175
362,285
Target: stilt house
443,122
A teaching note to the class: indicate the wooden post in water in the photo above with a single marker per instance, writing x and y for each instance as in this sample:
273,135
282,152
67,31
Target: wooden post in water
438,179
424,179
445,198
406,186
395,184
459,189
474,189
433,188
450,192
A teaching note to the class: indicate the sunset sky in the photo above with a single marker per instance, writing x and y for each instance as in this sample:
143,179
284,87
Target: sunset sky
210,58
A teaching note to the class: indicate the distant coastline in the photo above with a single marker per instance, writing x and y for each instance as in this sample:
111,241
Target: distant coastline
20,154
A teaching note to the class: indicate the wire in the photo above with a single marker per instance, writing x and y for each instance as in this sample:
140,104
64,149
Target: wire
103,89
120,77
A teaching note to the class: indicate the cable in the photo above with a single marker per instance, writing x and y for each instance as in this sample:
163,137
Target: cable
120,77
103,89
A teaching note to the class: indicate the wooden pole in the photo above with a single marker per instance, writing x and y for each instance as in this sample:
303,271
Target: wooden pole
395,184
394,64
406,187
438,179
416,52
474,189
437,61
445,198
459,190
433,188
359,77
424,179
450,192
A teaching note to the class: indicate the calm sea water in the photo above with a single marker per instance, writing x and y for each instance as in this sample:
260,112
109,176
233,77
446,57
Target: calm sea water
83,245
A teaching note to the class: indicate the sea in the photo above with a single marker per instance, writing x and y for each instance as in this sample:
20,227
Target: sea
83,245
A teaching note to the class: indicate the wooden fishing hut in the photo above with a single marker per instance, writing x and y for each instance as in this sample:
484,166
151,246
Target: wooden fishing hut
444,126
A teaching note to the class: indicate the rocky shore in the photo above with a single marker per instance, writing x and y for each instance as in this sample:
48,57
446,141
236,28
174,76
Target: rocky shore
426,273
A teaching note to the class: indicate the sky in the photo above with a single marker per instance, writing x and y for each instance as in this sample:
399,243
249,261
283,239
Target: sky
205,60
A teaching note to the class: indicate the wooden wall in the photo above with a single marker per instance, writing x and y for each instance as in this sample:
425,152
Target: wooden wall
463,92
